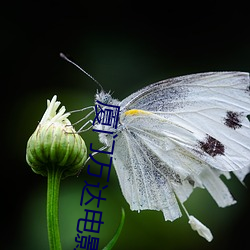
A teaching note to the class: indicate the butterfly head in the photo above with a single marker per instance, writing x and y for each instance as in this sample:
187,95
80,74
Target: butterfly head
106,98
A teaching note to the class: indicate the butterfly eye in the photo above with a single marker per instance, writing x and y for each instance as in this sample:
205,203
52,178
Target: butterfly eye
107,99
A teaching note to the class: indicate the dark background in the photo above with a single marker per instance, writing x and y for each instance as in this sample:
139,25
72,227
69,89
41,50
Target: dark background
125,45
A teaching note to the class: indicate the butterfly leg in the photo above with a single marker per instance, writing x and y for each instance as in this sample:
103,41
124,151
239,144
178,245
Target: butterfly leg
81,129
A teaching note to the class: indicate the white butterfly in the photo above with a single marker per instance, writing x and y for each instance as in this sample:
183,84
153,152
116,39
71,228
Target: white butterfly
178,134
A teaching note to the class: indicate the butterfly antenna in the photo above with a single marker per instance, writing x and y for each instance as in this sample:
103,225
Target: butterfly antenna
90,76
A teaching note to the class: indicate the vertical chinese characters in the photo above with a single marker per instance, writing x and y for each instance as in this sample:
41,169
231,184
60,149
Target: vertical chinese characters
107,116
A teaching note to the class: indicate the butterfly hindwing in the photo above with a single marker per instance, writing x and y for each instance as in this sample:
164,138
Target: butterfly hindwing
142,185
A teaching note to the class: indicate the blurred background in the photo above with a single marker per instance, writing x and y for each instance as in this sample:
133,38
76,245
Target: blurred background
125,45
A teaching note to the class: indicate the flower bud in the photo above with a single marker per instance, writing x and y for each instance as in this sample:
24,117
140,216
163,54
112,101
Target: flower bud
55,143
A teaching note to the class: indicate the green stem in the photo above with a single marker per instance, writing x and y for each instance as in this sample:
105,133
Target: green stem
54,177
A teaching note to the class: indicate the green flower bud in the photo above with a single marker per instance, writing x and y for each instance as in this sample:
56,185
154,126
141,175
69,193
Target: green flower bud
55,143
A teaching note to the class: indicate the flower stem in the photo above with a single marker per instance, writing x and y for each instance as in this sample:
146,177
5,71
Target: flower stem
54,177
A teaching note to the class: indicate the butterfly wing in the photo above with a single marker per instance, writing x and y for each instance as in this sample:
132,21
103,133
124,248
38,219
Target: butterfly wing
153,169
213,106
137,177
181,133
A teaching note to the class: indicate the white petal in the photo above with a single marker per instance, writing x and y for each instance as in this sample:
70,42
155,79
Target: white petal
50,109
51,114
200,228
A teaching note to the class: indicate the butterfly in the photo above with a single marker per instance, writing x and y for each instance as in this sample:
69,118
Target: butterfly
179,134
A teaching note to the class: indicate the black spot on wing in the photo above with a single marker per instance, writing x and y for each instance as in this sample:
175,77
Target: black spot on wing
233,119
212,146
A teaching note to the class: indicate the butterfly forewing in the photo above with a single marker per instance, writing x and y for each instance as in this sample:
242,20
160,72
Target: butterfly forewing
213,106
